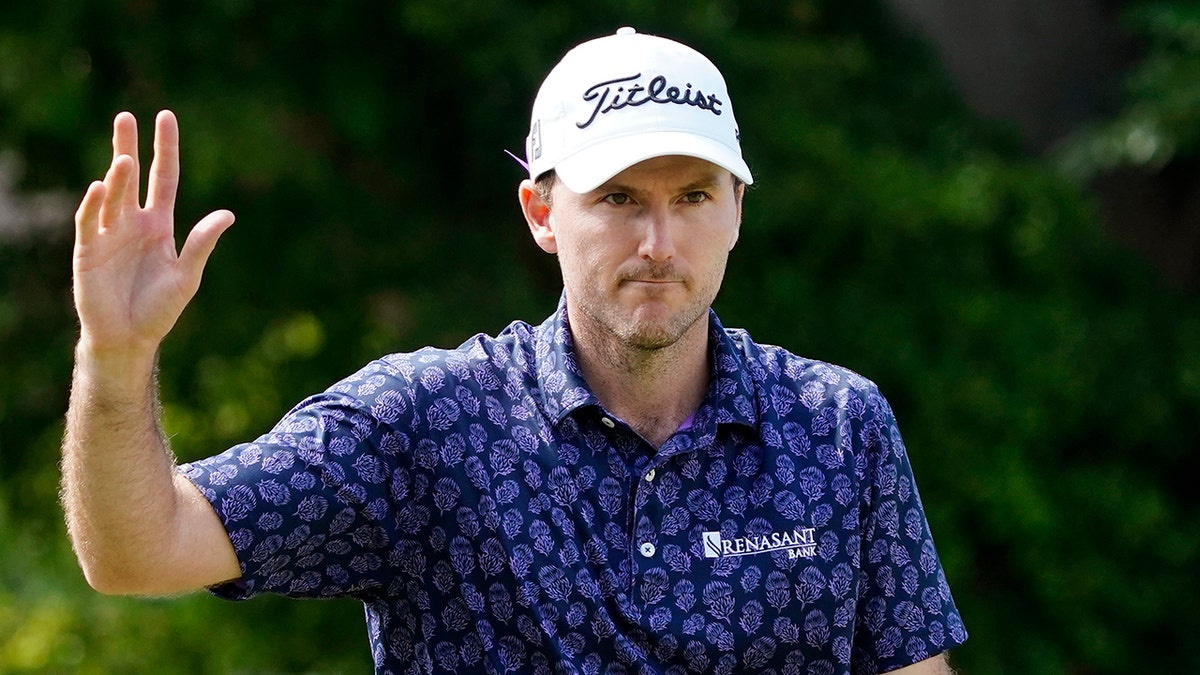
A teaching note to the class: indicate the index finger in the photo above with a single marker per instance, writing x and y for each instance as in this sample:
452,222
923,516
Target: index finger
164,169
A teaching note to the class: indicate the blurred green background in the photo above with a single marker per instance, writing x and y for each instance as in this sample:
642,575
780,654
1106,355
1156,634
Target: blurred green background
1045,368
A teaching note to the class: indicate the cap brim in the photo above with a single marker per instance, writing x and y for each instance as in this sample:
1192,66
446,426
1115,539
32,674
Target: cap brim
589,168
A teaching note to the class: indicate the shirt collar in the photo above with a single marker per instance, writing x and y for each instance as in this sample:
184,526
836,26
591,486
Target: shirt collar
731,395
559,378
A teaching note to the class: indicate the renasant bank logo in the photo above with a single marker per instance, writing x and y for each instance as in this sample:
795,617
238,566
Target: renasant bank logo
799,543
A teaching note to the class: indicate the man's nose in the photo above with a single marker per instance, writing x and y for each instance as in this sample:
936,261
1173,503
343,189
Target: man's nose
657,235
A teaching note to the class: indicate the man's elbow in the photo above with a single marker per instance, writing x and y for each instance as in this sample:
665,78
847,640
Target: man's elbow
122,571
116,573
111,577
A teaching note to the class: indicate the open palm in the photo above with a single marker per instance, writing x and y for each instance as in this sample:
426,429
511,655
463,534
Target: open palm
130,284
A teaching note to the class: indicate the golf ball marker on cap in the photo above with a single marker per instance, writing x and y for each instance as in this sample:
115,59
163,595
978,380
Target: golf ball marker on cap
618,100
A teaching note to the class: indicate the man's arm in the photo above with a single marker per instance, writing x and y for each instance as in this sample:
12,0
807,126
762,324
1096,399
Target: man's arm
136,524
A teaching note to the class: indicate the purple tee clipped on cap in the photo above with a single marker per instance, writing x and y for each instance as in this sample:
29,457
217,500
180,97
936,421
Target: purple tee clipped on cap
618,100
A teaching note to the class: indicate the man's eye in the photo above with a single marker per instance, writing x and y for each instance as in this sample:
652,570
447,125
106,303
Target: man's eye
695,197
617,198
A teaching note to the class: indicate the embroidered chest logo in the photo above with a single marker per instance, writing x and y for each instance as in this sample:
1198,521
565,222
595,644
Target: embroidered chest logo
801,542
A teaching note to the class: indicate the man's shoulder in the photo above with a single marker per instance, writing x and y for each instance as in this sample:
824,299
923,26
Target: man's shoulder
772,365
432,367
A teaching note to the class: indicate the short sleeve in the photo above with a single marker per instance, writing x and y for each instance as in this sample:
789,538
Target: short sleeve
906,612
304,504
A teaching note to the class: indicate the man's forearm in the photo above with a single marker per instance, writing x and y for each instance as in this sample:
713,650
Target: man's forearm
118,474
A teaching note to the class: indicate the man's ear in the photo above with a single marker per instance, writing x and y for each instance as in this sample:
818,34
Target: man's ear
537,215
737,228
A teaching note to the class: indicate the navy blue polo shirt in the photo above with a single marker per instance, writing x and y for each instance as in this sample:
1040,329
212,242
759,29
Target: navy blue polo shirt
493,517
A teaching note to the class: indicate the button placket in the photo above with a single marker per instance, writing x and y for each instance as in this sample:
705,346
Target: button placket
645,506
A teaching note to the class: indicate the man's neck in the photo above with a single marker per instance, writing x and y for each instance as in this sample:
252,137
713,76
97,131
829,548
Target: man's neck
654,391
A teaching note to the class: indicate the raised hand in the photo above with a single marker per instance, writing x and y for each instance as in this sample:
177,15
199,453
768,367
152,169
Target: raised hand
130,283
137,525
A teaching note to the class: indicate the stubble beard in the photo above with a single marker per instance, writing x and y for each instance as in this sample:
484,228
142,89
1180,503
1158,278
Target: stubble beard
648,330
645,330
649,336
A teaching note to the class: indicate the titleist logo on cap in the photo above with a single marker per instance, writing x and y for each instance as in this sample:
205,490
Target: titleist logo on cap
586,126
625,92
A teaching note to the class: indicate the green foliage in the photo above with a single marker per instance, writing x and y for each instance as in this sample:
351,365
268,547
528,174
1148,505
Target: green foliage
50,621
1160,119
1045,380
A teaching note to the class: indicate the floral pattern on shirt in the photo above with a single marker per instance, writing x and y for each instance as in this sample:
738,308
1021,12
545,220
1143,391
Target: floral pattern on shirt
493,517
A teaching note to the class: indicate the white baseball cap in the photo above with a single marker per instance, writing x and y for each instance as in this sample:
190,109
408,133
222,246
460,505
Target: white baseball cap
617,100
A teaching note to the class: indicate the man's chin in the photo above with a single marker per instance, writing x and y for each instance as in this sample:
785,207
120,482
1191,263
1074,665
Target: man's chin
653,334
651,342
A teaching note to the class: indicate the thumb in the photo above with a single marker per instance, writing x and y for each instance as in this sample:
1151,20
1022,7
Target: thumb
201,241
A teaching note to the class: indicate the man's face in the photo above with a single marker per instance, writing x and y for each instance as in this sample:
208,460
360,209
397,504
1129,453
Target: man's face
643,255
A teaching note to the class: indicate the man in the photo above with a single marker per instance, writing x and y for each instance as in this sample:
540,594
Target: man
628,487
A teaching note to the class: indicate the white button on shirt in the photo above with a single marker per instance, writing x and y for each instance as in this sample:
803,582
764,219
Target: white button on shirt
647,549
608,422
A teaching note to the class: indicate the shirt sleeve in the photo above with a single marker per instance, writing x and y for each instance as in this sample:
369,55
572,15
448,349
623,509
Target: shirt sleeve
906,611
304,504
